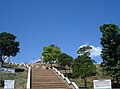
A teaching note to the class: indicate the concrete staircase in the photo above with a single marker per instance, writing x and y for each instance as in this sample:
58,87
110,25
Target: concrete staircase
47,79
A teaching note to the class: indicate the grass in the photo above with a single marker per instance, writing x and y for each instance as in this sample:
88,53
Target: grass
20,77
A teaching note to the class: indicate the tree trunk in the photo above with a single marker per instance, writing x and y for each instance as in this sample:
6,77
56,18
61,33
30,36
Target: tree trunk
113,79
117,79
85,82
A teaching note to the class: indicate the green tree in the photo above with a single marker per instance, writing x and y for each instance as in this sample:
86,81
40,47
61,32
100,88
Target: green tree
65,60
84,65
76,69
8,45
110,42
50,53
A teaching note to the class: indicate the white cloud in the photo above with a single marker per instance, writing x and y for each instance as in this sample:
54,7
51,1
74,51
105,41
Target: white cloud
96,51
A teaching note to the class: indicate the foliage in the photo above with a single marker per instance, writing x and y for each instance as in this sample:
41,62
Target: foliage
110,42
8,45
65,60
83,65
87,67
50,53
76,69
85,50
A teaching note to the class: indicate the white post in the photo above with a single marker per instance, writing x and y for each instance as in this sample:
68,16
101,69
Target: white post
53,68
28,79
59,72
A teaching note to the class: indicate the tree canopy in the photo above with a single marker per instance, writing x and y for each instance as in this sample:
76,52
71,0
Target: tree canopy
50,53
8,45
110,42
85,50
65,60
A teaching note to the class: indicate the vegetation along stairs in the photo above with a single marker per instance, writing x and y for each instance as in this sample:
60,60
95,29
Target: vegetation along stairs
47,79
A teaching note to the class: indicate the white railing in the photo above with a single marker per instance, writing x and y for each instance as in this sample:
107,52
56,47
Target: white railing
28,79
62,76
66,79
74,85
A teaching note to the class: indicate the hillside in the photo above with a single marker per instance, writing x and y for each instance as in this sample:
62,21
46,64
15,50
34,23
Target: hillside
20,76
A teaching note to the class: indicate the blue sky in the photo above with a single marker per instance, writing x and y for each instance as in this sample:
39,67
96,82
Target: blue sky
65,23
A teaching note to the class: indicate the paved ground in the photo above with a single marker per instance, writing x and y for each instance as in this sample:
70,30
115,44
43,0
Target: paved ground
47,79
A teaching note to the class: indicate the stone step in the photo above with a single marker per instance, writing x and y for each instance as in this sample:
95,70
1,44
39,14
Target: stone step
47,79
50,85
50,88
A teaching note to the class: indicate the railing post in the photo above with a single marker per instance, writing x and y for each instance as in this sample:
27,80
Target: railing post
28,79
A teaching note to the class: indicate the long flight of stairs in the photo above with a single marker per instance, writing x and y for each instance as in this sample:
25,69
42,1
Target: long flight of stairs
47,79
